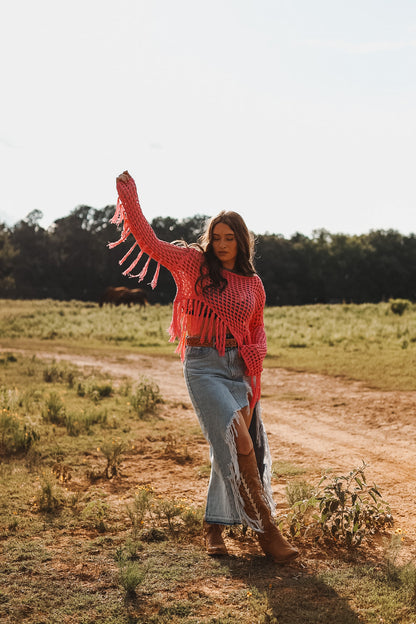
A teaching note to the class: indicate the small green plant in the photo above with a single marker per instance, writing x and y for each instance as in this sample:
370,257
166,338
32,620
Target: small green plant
350,509
98,391
168,511
49,498
54,410
113,453
131,574
31,400
95,514
145,398
15,438
94,390
9,399
343,508
392,550
140,507
192,519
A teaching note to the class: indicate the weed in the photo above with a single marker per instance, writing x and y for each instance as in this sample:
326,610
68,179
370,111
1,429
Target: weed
299,491
131,575
179,454
175,515
169,511
62,472
15,438
54,410
113,452
9,399
350,509
192,518
132,549
99,391
344,508
31,399
124,388
59,373
94,390
49,498
95,514
140,507
145,398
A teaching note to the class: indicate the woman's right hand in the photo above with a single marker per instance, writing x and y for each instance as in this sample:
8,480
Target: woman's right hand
124,177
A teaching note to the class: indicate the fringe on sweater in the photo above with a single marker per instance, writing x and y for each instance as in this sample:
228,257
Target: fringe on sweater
120,217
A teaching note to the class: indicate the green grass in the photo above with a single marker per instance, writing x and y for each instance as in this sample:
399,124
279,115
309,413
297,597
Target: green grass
82,544
365,342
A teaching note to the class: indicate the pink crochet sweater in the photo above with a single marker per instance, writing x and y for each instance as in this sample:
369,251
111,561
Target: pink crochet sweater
238,309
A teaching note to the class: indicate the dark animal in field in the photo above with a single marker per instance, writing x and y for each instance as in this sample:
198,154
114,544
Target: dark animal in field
121,295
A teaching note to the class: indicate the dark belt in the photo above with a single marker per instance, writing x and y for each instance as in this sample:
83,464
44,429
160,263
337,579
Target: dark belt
195,341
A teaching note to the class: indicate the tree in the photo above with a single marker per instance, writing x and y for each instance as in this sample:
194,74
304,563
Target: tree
7,256
32,268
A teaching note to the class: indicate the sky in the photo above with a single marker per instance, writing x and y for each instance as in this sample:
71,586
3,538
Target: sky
298,114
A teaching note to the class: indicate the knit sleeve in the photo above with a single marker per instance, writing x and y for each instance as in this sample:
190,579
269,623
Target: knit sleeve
254,353
134,222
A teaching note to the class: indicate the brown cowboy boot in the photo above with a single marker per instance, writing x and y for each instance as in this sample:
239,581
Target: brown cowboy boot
214,543
271,540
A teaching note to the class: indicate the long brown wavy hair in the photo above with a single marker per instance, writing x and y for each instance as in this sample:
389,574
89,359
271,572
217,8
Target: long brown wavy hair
211,275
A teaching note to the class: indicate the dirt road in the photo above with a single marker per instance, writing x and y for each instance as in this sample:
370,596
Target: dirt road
313,421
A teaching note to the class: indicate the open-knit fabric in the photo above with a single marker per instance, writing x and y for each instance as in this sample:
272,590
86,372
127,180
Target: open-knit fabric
238,309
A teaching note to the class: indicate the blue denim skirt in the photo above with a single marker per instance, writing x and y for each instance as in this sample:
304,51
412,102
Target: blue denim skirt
219,391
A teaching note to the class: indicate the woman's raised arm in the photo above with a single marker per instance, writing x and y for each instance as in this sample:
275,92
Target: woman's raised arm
135,223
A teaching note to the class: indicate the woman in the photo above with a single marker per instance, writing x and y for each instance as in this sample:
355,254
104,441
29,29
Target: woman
218,321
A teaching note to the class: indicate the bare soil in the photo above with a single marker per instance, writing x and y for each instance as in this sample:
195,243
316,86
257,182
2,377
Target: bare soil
312,421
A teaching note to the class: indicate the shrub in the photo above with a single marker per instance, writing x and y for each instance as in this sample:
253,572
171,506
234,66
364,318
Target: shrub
81,423
140,506
94,390
54,410
14,437
113,452
95,514
131,575
145,398
49,498
344,508
58,373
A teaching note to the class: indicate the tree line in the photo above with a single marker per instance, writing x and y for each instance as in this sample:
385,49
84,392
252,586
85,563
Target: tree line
71,260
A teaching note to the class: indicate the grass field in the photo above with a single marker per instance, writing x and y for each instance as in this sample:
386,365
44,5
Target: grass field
366,342
82,543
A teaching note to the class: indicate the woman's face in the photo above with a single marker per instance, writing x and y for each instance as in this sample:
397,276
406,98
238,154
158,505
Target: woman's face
224,245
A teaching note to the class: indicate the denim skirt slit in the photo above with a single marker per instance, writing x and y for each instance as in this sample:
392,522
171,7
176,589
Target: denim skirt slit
219,391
